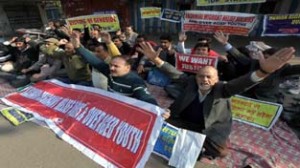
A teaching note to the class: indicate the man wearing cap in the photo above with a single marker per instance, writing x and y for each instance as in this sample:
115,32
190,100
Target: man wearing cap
49,61
24,53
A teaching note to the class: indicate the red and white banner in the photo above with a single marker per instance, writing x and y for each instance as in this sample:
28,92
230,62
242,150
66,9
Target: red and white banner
111,129
192,63
211,21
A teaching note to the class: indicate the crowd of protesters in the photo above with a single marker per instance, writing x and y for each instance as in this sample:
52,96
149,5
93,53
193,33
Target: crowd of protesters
120,62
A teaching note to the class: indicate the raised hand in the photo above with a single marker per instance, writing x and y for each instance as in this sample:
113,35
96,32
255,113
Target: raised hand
63,42
148,51
276,60
182,37
27,39
13,39
66,30
106,37
221,37
75,39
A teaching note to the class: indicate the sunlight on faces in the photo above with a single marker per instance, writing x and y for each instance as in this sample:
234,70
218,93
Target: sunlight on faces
206,78
119,67
165,44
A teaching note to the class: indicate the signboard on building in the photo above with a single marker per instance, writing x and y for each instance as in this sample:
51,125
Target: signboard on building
212,21
150,12
108,22
281,25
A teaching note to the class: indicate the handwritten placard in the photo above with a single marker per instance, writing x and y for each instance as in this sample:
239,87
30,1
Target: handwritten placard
258,113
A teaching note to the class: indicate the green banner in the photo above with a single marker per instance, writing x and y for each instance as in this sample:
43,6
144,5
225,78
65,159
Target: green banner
150,12
255,112
108,22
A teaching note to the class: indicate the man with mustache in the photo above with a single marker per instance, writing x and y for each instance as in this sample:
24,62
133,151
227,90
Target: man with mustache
204,104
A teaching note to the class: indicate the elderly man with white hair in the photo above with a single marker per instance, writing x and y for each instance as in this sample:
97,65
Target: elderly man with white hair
204,104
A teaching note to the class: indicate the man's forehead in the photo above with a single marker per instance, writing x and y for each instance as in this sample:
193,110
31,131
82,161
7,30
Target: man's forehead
118,60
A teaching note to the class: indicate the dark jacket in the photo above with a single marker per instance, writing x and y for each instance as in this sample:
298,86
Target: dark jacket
130,84
216,106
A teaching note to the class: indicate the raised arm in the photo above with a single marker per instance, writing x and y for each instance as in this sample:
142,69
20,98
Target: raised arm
90,57
165,67
267,66
180,45
223,39
112,48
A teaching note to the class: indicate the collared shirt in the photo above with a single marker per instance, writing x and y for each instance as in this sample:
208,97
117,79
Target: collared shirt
202,96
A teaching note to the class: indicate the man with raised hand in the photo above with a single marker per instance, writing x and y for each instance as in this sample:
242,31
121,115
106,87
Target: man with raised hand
204,104
242,63
118,72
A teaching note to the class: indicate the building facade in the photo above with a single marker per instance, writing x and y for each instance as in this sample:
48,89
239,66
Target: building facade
129,10
24,14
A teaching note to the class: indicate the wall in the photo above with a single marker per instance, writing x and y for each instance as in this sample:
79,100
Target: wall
20,14
5,28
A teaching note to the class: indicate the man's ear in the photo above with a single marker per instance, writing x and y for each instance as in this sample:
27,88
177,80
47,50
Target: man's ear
128,66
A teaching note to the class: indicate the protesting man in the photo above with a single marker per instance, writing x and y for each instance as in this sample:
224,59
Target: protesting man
120,78
204,104
130,35
49,61
78,71
24,53
267,90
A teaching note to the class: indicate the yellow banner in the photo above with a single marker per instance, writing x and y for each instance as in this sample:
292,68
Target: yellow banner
258,113
150,12
108,22
226,2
